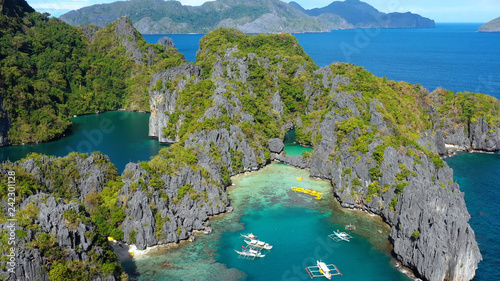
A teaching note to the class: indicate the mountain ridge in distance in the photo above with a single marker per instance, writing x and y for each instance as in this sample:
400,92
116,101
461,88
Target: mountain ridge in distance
260,16
363,15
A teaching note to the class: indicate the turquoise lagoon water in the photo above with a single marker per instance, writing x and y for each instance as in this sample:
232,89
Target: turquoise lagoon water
479,178
292,148
122,135
295,224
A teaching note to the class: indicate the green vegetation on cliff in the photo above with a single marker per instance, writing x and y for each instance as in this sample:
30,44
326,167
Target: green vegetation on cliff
243,90
58,192
50,71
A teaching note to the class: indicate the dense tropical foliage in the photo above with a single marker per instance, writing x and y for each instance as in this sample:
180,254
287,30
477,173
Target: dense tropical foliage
50,71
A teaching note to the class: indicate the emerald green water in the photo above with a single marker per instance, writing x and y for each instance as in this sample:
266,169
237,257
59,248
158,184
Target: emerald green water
292,148
295,224
122,135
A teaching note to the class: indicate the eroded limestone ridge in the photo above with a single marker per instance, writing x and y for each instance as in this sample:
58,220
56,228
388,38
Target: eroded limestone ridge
379,142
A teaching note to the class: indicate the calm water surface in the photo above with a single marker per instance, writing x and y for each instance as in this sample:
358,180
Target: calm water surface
122,135
479,178
295,224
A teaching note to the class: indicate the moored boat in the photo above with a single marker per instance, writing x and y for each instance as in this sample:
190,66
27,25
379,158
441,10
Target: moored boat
259,244
323,269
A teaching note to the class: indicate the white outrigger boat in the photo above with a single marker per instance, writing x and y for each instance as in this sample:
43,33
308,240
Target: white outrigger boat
258,244
338,236
323,270
249,253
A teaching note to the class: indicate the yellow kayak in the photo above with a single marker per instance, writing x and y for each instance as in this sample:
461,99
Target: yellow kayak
308,191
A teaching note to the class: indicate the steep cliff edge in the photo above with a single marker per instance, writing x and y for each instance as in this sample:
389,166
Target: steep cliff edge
468,121
55,237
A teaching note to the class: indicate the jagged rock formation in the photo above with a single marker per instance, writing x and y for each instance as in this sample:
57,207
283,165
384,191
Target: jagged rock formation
167,42
364,143
163,100
52,233
163,214
464,126
491,26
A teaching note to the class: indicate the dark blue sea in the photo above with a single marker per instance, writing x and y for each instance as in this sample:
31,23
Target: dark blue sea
453,56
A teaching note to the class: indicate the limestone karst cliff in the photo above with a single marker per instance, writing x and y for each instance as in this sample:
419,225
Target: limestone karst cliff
377,141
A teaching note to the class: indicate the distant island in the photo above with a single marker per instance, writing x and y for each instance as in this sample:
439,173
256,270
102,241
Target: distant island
260,16
491,26
362,15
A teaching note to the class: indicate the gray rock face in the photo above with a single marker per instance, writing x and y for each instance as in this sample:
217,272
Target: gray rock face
324,81
163,214
126,32
167,42
483,137
235,151
231,67
276,145
4,124
163,99
90,31
70,237
424,208
88,175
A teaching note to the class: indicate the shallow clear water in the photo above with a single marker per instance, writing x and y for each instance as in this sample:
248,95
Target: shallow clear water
292,148
294,223
122,135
